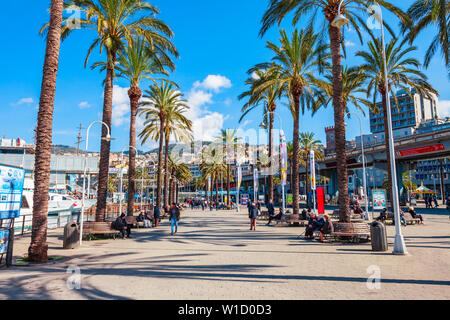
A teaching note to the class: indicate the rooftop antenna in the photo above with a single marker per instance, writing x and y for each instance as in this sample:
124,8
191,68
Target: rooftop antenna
79,139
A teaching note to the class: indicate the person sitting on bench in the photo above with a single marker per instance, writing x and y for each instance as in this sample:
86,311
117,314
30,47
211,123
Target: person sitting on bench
121,225
327,227
414,214
358,210
303,215
277,217
383,215
309,233
147,220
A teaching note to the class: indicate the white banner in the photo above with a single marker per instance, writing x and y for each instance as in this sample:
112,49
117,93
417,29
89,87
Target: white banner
313,169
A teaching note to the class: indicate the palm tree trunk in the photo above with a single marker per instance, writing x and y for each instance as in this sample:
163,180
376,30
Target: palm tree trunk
135,94
166,176
37,252
160,162
270,155
295,159
339,122
105,145
388,152
171,193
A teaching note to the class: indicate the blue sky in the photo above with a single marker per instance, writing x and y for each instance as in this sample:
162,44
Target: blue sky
218,42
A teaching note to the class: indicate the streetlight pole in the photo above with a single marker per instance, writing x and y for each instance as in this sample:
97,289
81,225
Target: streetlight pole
399,243
107,138
366,203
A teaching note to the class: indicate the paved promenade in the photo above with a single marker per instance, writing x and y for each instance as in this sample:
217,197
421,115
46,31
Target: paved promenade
215,256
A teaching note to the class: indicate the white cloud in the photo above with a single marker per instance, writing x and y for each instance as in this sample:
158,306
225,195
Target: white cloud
84,105
444,108
206,124
121,106
349,43
228,102
213,82
23,101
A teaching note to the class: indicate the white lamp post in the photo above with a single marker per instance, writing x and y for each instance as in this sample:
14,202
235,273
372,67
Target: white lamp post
107,138
399,243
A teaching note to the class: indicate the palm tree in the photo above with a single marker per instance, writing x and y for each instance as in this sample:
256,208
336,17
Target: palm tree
307,144
268,100
115,22
37,252
137,62
164,110
352,9
229,140
179,172
425,13
402,72
353,86
295,63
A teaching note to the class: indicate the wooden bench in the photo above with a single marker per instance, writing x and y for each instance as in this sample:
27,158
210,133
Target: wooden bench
93,228
132,221
353,231
293,220
409,219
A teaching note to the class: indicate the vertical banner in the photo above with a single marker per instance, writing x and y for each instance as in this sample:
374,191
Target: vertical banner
239,176
255,183
312,164
320,200
283,156
209,183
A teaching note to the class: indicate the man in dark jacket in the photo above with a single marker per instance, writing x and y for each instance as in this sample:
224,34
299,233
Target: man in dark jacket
271,208
121,225
253,214
174,216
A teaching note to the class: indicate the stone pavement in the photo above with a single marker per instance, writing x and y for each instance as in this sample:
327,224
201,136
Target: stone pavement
215,256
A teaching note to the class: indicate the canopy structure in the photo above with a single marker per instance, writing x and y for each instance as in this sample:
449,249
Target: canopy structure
423,189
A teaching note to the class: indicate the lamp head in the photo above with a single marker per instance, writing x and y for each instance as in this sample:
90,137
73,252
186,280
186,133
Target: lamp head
108,138
340,21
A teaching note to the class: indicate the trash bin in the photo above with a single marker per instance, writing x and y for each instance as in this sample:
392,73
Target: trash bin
378,236
71,236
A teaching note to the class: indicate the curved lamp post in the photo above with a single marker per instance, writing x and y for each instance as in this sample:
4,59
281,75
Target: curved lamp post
399,243
107,138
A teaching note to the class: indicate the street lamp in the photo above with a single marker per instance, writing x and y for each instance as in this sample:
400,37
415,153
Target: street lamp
399,243
340,19
366,216
106,138
153,183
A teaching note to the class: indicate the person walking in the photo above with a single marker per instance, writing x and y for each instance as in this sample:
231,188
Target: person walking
253,214
157,215
174,217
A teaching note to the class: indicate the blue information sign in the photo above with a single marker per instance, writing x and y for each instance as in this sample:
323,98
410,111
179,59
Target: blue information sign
11,187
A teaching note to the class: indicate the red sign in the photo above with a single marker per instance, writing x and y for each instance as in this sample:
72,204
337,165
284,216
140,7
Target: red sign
420,150
320,200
